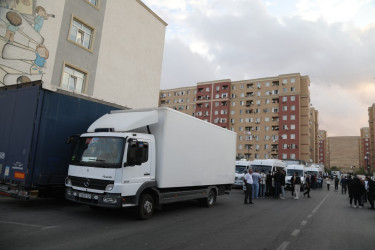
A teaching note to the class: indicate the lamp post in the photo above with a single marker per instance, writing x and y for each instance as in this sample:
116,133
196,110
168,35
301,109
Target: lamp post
367,166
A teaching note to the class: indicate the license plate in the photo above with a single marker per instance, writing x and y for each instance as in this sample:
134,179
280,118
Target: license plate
83,195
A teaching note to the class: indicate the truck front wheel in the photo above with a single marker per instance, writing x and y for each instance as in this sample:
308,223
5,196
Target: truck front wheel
145,207
210,200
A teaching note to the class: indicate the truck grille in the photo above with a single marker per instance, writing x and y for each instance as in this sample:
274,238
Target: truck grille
89,183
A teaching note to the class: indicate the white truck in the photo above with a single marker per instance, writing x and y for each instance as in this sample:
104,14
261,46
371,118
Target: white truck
268,165
242,167
149,157
290,170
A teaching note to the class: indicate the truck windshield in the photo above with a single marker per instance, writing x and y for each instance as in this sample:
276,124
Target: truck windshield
311,172
104,152
240,169
261,167
290,172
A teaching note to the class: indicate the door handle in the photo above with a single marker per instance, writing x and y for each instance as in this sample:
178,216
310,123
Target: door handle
147,173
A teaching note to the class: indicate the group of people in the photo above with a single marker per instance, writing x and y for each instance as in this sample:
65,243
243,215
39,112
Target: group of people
359,190
262,185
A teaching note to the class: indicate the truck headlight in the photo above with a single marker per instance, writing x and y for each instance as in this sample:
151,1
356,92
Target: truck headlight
68,182
109,187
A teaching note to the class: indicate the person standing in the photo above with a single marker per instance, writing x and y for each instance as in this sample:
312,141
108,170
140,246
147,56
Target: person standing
336,183
249,187
282,184
307,186
262,180
297,185
268,184
358,188
351,197
343,183
292,184
256,178
371,192
328,182
277,177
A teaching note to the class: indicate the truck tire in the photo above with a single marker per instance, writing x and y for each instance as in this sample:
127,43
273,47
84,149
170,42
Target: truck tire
210,200
145,207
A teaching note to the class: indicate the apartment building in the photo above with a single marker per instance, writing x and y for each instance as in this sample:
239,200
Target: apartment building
323,149
314,128
371,121
108,50
270,115
364,149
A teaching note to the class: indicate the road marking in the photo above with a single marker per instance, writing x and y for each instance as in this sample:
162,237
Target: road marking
303,223
295,232
27,225
309,216
283,246
317,207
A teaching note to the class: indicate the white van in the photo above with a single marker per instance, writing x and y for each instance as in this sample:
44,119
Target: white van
290,170
268,165
242,167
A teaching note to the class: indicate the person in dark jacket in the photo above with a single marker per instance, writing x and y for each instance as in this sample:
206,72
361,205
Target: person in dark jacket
344,186
358,189
307,186
371,192
349,181
269,185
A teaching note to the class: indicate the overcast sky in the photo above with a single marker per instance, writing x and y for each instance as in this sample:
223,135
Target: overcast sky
331,41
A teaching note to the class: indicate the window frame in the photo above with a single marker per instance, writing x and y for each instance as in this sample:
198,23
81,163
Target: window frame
93,33
97,6
85,72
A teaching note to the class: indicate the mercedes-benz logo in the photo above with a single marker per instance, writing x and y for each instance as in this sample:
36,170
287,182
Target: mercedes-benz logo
86,183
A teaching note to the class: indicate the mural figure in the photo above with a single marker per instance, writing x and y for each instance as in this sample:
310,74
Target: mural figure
40,61
23,51
15,21
41,15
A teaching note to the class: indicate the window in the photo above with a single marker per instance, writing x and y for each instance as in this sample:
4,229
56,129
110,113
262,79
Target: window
285,90
292,80
285,81
267,84
285,117
233,104
233,87
292,156
207,89
292,98
292,136
292,126
81,34
292,89
292,107
292,117
285,156
285,98
285,108
94,2
73,79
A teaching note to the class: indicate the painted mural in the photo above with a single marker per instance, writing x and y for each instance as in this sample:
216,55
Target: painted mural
23,54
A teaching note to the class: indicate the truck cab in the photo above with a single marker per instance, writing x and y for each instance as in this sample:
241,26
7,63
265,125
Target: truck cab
103,170
290,170
242,167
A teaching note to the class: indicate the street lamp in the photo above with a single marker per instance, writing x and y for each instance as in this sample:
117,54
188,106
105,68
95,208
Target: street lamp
367,166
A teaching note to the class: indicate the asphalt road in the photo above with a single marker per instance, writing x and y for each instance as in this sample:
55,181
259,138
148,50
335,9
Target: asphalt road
323,222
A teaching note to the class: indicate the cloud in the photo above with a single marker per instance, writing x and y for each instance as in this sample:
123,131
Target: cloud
330,41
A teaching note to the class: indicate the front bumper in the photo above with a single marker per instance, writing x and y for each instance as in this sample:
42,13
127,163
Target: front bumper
100,200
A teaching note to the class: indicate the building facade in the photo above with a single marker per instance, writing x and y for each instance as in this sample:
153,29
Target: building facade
371,121
323,149
107,50
270,115
314,141
364,149
344,151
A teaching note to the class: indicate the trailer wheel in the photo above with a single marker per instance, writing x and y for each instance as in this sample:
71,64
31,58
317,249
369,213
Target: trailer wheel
210,200
145,207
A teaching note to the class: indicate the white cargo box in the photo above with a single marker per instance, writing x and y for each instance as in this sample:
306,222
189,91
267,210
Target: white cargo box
189,151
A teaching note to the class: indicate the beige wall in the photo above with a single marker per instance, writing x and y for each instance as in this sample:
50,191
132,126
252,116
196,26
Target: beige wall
132,50
344,152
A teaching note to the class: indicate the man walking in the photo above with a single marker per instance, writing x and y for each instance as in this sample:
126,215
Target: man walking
343,185
307,186
297,185
249,187
371,192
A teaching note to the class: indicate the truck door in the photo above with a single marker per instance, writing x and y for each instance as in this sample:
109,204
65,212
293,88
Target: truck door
138,162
